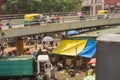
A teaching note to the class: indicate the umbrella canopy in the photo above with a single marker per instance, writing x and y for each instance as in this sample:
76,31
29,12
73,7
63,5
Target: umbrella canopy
72,32
89,50
47,39
70,47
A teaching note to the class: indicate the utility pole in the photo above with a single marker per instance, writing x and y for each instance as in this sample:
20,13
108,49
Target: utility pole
94,7
102,4
76,57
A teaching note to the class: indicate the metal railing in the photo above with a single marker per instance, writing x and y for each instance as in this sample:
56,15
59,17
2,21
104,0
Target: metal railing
21,16
18,19
11,16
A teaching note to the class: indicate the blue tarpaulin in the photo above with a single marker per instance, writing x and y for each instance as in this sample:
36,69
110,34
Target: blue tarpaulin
72,32
89,50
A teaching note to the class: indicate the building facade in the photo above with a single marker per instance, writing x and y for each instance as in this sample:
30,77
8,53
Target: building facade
112,5
92,6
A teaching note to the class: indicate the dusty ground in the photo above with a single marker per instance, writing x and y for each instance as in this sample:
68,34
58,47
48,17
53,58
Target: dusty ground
62,75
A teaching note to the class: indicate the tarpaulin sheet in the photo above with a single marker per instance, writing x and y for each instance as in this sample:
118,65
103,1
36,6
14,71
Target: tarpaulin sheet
89,50
70,47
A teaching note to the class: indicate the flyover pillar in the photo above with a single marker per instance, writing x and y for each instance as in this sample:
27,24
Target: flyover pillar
20,46
108,57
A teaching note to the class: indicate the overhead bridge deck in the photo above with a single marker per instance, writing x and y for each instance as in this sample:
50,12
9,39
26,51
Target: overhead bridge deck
16,32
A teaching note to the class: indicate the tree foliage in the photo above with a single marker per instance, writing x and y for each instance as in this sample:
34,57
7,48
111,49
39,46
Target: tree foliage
40,6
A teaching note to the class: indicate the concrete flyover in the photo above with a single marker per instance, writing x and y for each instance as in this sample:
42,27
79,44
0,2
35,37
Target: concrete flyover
97,33
18,32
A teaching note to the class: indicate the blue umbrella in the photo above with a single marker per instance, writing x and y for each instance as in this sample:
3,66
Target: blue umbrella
72,32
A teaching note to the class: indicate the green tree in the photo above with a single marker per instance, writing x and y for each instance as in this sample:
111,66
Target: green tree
40,6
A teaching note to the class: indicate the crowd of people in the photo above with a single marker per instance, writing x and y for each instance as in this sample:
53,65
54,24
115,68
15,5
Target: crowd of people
59,62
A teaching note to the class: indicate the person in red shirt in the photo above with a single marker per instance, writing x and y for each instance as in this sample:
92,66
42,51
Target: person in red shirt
1,25
57,18
27,52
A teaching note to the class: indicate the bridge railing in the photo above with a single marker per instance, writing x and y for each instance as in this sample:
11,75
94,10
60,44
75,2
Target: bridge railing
62,19
18,19
11,16
21,16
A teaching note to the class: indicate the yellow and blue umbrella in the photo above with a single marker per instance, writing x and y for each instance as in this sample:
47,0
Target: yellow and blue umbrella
83,48
89,49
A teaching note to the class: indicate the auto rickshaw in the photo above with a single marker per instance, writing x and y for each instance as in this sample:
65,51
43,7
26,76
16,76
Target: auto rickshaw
101,13
32,19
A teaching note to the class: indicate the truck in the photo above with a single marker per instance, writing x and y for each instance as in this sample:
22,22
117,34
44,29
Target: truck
25,67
